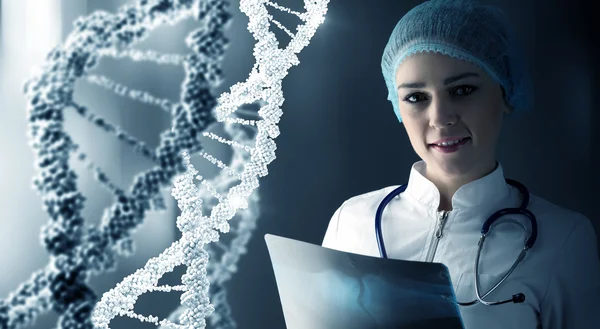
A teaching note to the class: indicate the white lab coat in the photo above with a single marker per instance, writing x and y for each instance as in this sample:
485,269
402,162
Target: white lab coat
560,276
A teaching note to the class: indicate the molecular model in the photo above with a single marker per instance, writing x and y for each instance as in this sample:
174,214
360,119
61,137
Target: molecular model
78,250
198,230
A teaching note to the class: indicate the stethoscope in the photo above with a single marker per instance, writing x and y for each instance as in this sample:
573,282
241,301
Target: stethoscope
522,210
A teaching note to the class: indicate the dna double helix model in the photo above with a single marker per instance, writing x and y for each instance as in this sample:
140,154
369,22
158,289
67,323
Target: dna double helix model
78,251
198,229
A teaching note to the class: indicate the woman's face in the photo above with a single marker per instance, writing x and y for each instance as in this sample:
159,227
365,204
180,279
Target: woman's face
441,97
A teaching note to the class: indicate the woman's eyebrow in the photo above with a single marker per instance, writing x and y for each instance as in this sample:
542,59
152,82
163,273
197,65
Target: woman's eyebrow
447,81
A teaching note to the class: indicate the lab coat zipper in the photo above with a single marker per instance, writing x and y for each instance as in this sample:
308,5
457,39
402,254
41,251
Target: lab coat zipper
438,235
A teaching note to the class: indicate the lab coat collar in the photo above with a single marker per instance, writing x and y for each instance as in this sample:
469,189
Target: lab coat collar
484,192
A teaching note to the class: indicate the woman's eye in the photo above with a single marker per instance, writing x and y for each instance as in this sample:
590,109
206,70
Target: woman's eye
414,98
456,91
463,90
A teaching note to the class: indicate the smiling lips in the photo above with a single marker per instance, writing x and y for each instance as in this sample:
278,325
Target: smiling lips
449,145
449,140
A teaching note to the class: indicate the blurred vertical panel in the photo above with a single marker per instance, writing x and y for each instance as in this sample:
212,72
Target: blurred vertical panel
1,50
29,30
24,45
1,60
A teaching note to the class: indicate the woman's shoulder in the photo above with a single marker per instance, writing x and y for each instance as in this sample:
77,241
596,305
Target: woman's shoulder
567,250
354,210
559,226
351,226
368,198
552,213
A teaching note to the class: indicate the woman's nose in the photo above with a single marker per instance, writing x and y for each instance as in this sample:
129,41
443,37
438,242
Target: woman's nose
442,114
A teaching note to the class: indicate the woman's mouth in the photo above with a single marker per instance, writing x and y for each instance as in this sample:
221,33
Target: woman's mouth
450,146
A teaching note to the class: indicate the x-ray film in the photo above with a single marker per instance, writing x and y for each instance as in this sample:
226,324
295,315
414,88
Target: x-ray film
322,288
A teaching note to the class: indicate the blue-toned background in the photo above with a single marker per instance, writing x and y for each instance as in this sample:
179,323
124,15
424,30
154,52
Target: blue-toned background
339,136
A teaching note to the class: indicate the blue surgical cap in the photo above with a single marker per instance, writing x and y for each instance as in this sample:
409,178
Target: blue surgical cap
466,30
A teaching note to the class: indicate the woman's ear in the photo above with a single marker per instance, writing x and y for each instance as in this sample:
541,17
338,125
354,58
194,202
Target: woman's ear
507,109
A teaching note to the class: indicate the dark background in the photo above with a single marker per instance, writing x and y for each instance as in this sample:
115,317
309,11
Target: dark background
339,136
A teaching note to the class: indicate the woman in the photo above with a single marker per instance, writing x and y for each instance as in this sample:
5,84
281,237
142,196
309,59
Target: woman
453,71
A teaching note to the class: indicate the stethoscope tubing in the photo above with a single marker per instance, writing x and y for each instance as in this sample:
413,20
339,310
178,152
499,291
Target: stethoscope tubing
528,244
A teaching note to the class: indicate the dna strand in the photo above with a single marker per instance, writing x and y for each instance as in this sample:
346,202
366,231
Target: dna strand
198,230
225,256
77,251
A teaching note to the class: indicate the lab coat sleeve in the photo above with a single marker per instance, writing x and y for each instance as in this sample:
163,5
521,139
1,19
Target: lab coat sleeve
571,301
330,239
